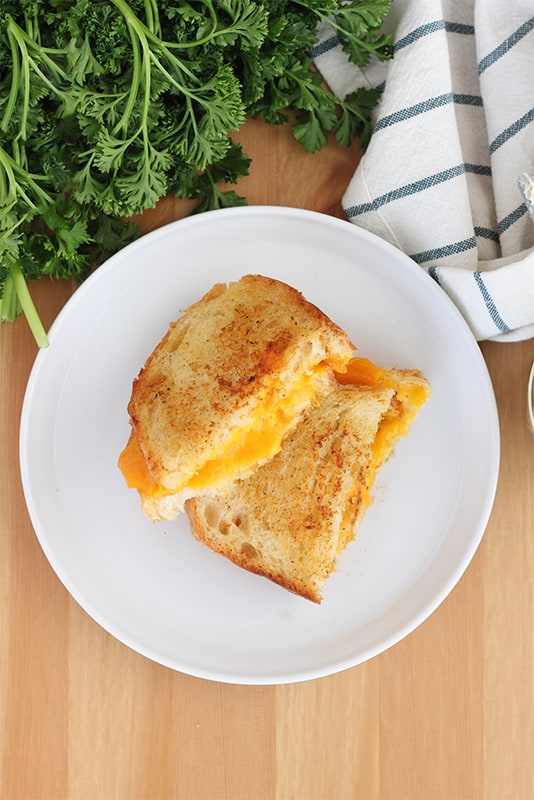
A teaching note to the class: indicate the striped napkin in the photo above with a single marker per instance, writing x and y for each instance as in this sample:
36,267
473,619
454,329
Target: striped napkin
448,175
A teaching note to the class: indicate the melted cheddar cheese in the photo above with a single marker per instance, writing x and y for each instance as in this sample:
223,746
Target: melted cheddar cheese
133,466
260,440
362,372
408,399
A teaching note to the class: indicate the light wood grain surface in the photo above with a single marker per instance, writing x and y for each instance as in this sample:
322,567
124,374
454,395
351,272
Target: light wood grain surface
446,714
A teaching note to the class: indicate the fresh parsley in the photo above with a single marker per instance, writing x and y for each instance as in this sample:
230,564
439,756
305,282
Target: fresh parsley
108,105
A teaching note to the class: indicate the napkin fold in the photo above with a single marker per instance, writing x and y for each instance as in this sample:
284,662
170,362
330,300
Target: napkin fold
453,136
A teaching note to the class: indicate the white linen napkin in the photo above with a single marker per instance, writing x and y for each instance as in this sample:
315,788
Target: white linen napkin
453,134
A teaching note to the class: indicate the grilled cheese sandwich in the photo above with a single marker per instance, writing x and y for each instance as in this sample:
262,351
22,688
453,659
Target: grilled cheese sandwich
254,416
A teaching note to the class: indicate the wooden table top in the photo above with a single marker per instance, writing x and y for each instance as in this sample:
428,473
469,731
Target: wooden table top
446,714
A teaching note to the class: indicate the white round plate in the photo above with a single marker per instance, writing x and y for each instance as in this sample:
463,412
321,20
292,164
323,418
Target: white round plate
154,587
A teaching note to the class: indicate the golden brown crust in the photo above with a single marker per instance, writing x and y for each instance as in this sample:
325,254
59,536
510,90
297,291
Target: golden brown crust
217,364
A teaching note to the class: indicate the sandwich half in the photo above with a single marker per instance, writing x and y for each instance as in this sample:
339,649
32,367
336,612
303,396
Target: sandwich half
229,380
289,520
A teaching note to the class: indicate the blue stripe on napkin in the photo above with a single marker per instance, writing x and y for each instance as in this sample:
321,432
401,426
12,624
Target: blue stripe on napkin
416,187
433,272
444,251
511,130
325,46
432,27
428,105
514,216
506,46
490,304
486,233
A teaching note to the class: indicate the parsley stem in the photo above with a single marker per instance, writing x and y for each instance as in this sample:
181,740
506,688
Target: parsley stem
17,177
135,81
152,16
8,302
26,303
15,85
32,25
21,43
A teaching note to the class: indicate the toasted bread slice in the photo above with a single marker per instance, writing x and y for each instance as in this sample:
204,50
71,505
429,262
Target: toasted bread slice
224,386
291,518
